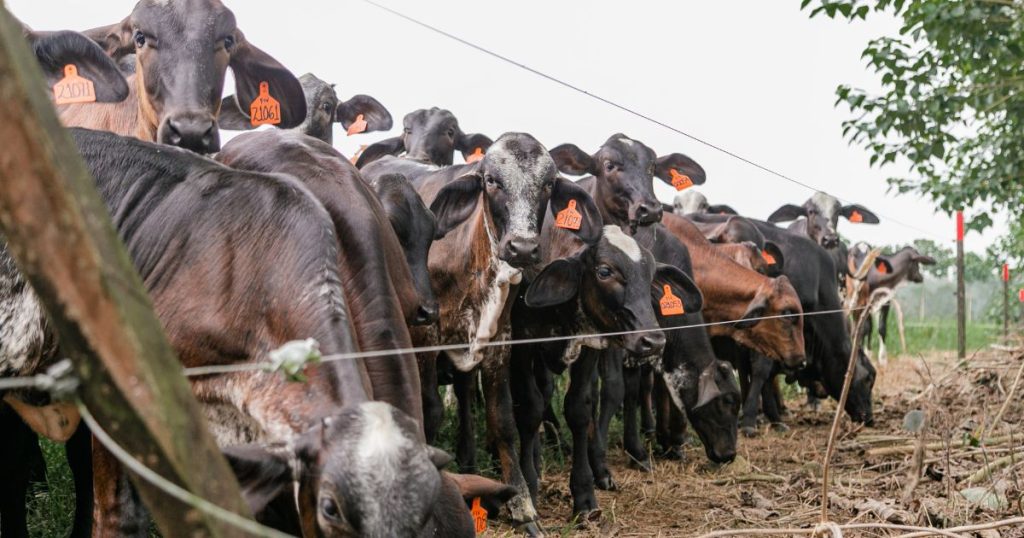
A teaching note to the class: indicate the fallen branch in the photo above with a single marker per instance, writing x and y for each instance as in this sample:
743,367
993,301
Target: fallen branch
985,472
755,477
921,531
969,528
908,449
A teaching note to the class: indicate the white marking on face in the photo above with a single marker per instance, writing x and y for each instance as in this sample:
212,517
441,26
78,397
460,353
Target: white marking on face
626,141
828,207
623,242
678,381
690,201
381,437
524,181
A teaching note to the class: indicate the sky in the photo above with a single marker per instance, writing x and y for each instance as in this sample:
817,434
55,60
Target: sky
755,77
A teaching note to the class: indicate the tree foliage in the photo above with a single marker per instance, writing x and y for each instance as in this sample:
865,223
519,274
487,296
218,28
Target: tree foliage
952,104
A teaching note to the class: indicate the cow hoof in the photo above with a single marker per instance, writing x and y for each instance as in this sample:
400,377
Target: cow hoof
605,483
530,528
585,518
644,466
749,431
780,427
674,453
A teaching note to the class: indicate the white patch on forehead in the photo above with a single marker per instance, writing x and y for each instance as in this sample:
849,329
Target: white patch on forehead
827,204
626,141
523,182
381,437
622,242
690,201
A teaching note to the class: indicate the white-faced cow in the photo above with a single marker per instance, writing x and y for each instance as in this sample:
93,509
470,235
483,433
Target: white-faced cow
692,201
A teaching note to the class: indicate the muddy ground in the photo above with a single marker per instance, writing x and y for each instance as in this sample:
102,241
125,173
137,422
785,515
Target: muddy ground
871,466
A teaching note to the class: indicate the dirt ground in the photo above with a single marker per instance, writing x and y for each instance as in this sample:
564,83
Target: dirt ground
776,483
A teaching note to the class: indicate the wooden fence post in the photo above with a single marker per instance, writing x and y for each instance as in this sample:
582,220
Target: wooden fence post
59,231
961,295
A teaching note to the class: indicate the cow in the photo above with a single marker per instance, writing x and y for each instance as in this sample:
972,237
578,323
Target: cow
375,277
691,201
428,136
182,50
323,110
888,271
584,290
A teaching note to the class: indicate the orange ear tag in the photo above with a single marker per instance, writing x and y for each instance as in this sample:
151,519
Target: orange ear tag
477,154
73,88
680,181
856,216
479,516
569,218
358,126
265,110
882,269
355,158
768,258
670,304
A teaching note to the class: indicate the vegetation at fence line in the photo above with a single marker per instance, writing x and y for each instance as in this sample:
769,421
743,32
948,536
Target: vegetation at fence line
950,106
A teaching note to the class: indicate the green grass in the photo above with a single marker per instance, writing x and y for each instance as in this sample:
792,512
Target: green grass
51,506
937,335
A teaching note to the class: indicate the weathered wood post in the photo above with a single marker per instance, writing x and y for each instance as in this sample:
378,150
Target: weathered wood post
60,233
1006,301
961,295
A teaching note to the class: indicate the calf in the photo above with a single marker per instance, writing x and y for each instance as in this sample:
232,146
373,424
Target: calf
428,136
323,110
182,50
691,201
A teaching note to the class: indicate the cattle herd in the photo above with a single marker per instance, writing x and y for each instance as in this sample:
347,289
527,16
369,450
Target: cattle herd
275,237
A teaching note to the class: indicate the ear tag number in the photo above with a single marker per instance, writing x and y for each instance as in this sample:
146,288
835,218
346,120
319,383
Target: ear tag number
479,516
680,181
670,304
73,88
882,269
477,154
358,126
768,258
856,216
569,218
265,110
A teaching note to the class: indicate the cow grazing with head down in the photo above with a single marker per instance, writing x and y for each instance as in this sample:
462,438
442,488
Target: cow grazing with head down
323,110
182,50
428,136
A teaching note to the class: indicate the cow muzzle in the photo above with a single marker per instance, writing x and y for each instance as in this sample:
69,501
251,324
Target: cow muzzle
192,131
520,251
644,345
426,314
646,213
830,240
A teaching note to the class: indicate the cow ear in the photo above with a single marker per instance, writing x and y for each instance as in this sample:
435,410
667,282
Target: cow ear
707,386
682,165
787,213
755,311
253,67
263,473
556,284
472,486
388,146
377,117
859,214
682,287
457,201
721,209
115,39
571,160
55,50
566,192
438,457
924,260
883,265
774,261
469,144
232,117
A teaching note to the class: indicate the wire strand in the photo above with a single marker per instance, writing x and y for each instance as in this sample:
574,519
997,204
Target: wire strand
633,112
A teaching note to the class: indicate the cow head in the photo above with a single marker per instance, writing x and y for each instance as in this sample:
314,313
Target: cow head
429,136
906,262
780,337
858,402
614,281
625,171
416,229
360,473
183,49
822,212
713,408
517,179
690,201
323,109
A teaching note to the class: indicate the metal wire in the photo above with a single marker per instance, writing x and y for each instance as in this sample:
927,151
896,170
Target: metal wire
633,112
170,488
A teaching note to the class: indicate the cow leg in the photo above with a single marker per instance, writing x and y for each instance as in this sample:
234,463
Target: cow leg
883,330
465,442
780,402
770,396
646,397
15,450
760,371
528,405
667,419
612,389
578,405
118,510
433,407
79,454
501,432
631,440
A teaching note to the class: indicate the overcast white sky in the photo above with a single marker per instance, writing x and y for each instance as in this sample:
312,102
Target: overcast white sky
755,77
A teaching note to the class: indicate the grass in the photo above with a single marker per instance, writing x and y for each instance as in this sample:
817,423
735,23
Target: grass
51,505
934,335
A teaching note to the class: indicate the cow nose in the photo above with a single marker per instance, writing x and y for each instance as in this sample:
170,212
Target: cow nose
830,241
726,457
798,362
649,213
521,251
426,314
191,131
650,344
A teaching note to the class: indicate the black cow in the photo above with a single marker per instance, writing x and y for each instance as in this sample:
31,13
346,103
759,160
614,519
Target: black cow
428,136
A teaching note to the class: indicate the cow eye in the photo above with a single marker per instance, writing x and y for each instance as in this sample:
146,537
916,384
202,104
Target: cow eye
604,272
549,185
326,106
229,43
609,166
407,130
491,182
329,509
140,39
451,133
